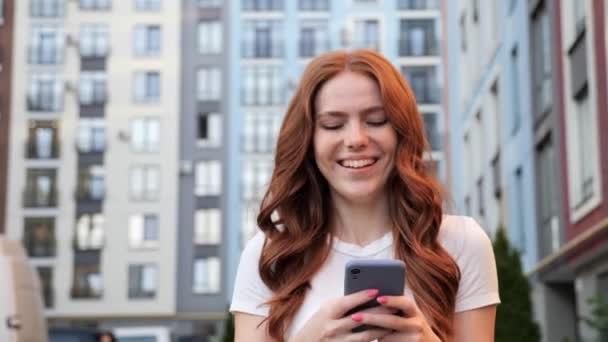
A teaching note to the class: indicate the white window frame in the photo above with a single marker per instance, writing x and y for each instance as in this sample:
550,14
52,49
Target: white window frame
145,134
140,87
208,178
208,226
210,39
137,231
148,190
206,285
214,130
209,83
142,36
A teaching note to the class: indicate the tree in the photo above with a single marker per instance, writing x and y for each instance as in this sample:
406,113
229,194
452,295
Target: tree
514,321
228,328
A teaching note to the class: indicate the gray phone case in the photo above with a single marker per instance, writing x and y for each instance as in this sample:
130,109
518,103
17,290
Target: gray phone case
386,275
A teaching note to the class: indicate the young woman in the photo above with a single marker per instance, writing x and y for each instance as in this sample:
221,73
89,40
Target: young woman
350,181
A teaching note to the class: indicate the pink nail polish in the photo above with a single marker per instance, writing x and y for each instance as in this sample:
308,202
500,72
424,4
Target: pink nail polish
357,317
382,300
372,292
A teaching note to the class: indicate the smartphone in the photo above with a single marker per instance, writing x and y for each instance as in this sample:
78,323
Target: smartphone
386,275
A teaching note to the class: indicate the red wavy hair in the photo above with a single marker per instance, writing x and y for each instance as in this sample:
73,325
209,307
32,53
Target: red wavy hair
299,194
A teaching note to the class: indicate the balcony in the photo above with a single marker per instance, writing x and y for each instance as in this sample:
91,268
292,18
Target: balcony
38,198
262,5
41,151
44,102
40,249
45,55
412,48
417,4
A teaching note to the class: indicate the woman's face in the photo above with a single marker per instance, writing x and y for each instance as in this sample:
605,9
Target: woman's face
354,144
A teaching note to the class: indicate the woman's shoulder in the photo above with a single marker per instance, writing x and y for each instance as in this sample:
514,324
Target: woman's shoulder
462,235
253,247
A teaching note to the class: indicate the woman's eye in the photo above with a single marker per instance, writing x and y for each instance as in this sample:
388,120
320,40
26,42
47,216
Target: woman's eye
377,122
331,127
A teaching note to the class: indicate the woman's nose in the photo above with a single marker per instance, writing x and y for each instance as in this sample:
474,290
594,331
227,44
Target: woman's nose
356,136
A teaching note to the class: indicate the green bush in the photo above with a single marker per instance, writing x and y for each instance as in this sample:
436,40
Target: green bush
514,320
228,328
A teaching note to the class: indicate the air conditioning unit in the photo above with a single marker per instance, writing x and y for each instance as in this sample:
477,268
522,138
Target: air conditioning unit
185,167
71,40
124,136
71,86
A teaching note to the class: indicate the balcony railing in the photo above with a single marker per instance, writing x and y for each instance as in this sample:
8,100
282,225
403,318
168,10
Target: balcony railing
417,4
45,55
34,151
262,5
408,48
43,102
263,49
40,249
35,198
85,292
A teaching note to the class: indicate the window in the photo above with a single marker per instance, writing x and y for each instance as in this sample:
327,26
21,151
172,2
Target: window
94,40
45,93
313,5
587,160
47,44
431,126
210,37
262,5
424,81
87,281
90,232
1,12
144,183
46,8
548,205
147,86
262,86
496,176
463,32
367,34
256,177
95,4
313,37
145,134
260,132
147,5
93,88
541,59
520,243
480,198
208,178
43,140
209,130
209,3
143,281
263,39
206,275
419,37
512,5
209,84
91,183
143,230
40,188
516,116
91,136
146,40
579,17
45,273
207,226
417,4
39,237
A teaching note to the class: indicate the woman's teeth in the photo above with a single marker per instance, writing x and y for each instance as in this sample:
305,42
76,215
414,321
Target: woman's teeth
356,164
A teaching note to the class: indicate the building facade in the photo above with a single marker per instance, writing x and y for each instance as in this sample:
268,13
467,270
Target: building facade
92,188
6,42
532,116
274,42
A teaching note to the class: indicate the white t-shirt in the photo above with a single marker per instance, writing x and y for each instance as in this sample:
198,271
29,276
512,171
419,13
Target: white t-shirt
461,236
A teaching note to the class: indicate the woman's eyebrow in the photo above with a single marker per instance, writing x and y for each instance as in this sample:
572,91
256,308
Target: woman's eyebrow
338,113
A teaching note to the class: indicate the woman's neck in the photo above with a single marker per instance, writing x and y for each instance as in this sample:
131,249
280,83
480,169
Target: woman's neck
360,223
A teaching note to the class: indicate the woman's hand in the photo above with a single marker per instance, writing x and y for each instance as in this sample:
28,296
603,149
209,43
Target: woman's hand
329,323
410,326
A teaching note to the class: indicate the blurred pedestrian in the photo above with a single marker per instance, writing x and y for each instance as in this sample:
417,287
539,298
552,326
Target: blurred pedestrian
106,336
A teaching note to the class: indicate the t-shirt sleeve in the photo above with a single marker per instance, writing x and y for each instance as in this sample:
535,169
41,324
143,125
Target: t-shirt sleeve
250,292
479,281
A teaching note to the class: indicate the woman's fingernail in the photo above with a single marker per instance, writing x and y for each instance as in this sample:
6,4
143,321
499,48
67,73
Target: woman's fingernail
382,300
372,292
357,317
